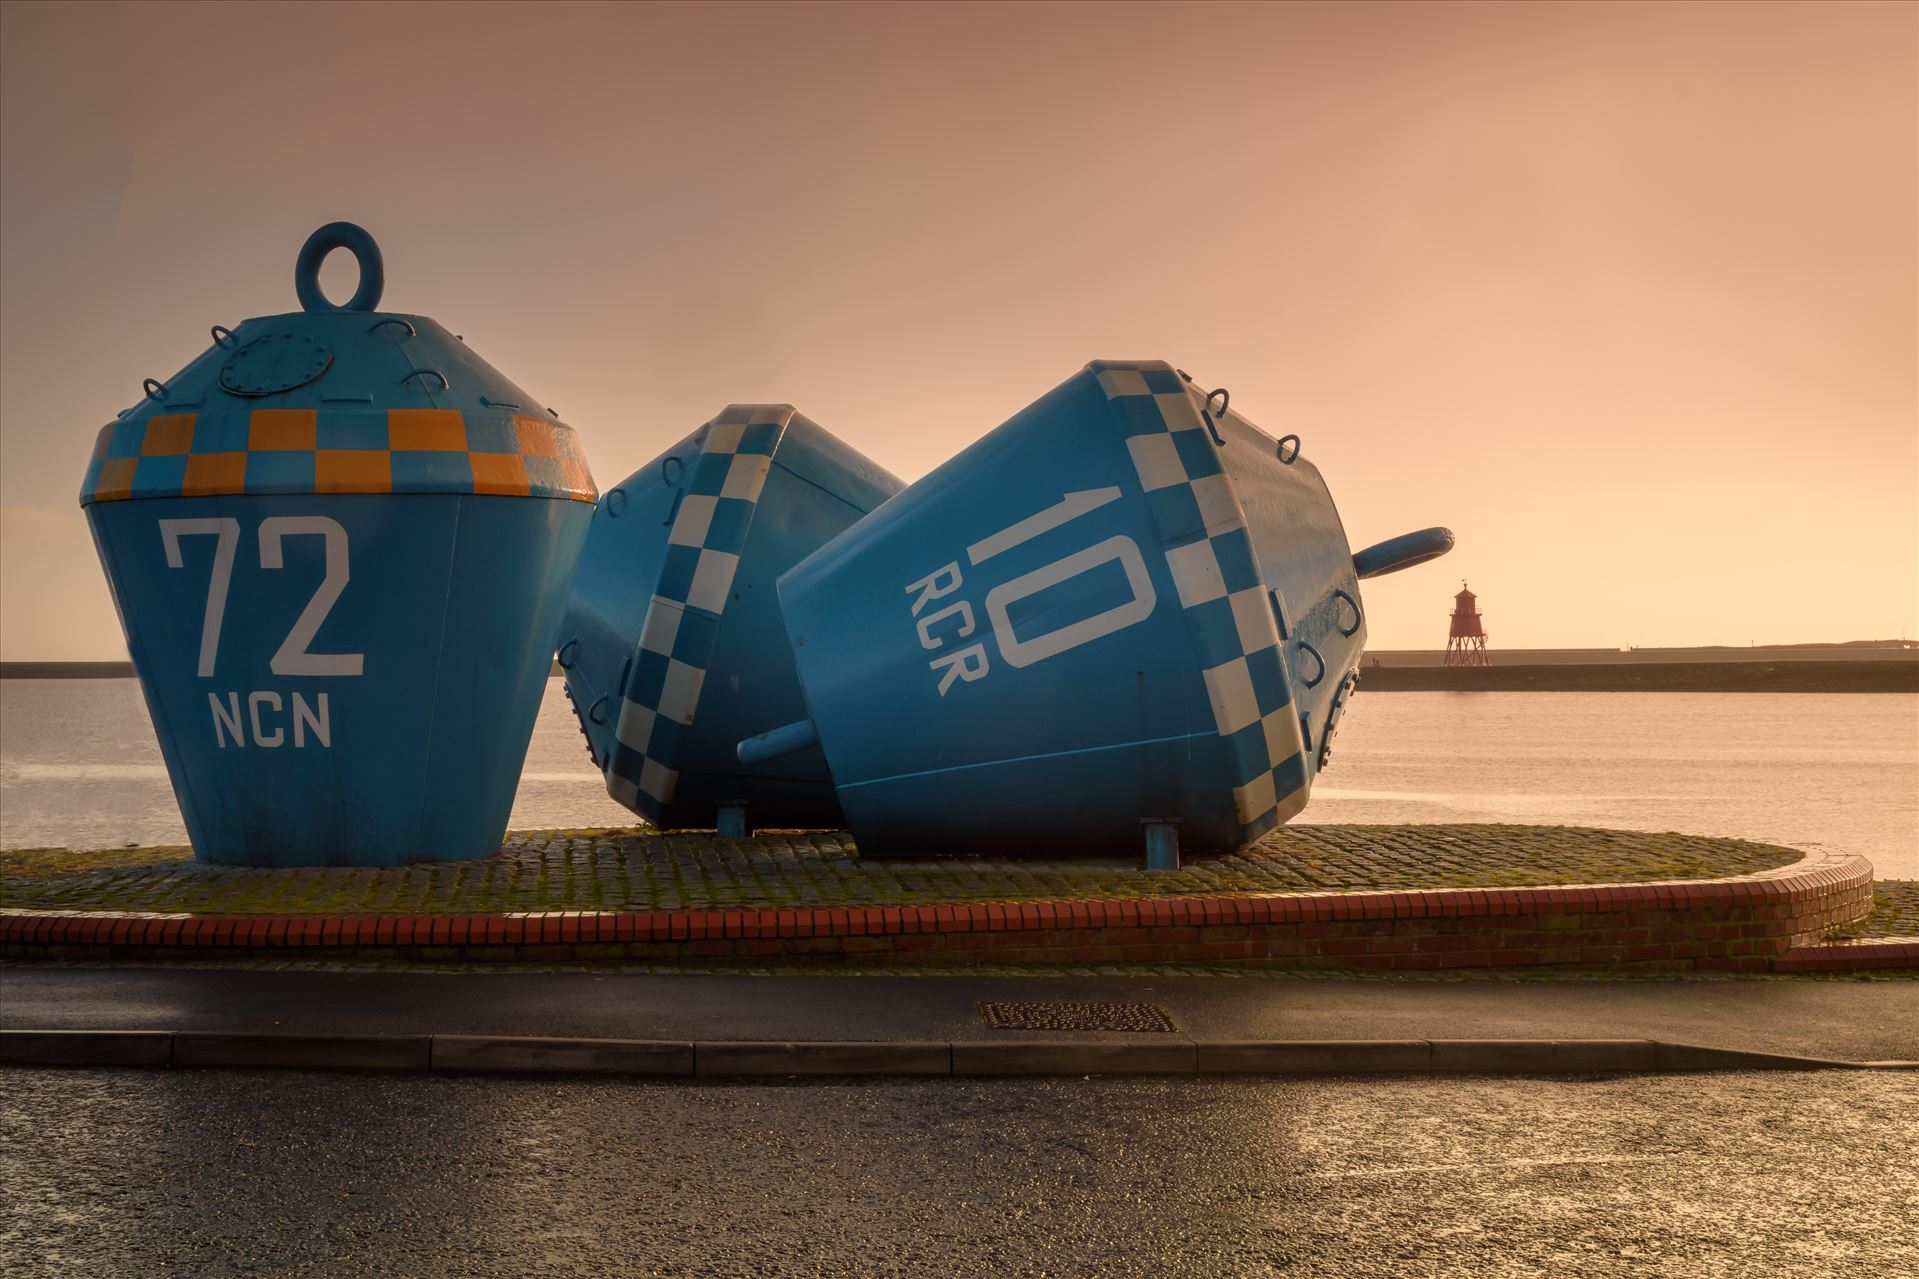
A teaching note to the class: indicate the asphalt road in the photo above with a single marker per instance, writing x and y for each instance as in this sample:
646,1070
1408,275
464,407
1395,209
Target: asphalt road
217,1173
1874,1020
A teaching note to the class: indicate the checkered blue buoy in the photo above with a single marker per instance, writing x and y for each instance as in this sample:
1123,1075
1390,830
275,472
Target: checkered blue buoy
672,645
1126,610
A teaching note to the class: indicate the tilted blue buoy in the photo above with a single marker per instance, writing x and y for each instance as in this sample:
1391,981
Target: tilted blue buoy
339,543
1126,613
672,646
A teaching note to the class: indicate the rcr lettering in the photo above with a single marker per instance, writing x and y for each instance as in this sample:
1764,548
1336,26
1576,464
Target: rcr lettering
969,663
944,630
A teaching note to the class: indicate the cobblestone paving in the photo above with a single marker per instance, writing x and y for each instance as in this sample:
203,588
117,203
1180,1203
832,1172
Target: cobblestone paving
642,870
1895,912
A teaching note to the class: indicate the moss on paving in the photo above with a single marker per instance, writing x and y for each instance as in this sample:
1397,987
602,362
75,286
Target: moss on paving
31,863
640,869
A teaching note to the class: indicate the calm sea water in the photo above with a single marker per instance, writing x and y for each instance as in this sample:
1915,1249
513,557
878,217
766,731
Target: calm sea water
79,767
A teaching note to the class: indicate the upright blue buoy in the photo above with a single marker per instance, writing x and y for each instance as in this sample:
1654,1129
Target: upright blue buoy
673,647
1128,617
339,543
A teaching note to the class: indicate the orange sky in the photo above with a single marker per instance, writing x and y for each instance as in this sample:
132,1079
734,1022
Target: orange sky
1628,296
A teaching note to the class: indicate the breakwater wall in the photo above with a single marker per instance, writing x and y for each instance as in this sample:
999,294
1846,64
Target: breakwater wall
1790,675
1650,677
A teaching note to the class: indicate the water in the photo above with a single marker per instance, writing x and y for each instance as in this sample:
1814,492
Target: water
79,767
1839,772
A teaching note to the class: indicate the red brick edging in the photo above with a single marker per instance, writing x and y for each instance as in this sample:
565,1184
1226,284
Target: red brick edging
1847,956
1755,923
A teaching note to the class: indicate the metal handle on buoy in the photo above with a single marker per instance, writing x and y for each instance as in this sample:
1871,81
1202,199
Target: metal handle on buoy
1403,551
1350,602
355,240
1320,672
1225,398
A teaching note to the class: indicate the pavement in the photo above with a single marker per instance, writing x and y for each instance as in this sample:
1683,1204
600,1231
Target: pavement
295,1174
1850,1020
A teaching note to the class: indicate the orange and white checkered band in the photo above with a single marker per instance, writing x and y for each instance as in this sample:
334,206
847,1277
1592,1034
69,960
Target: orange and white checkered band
321,451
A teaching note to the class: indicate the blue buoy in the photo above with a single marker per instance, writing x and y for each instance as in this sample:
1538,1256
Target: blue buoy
339,543
672,645
1126,608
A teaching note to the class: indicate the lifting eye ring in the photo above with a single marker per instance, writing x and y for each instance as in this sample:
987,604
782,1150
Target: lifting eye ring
355,240
1285,457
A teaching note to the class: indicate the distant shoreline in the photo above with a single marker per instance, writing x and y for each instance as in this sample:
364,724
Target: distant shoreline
1856,651
66,670
1388,672
1788,676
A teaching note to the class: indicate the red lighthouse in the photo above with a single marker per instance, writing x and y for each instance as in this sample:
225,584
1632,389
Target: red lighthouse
1466,642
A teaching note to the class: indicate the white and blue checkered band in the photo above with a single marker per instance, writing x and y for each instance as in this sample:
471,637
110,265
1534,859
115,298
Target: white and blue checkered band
719,491
1209,550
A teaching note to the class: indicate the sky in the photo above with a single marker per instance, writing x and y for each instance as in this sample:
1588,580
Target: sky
1626,295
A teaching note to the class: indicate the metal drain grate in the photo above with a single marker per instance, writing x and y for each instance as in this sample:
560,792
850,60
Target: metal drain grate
1062,1016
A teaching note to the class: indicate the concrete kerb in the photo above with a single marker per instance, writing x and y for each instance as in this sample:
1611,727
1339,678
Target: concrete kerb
303,1052
1315,1057
534,1055
772,1060
758,1059
86,1047
1076,1057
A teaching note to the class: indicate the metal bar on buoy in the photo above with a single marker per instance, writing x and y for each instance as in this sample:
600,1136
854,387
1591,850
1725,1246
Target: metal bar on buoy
787,739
